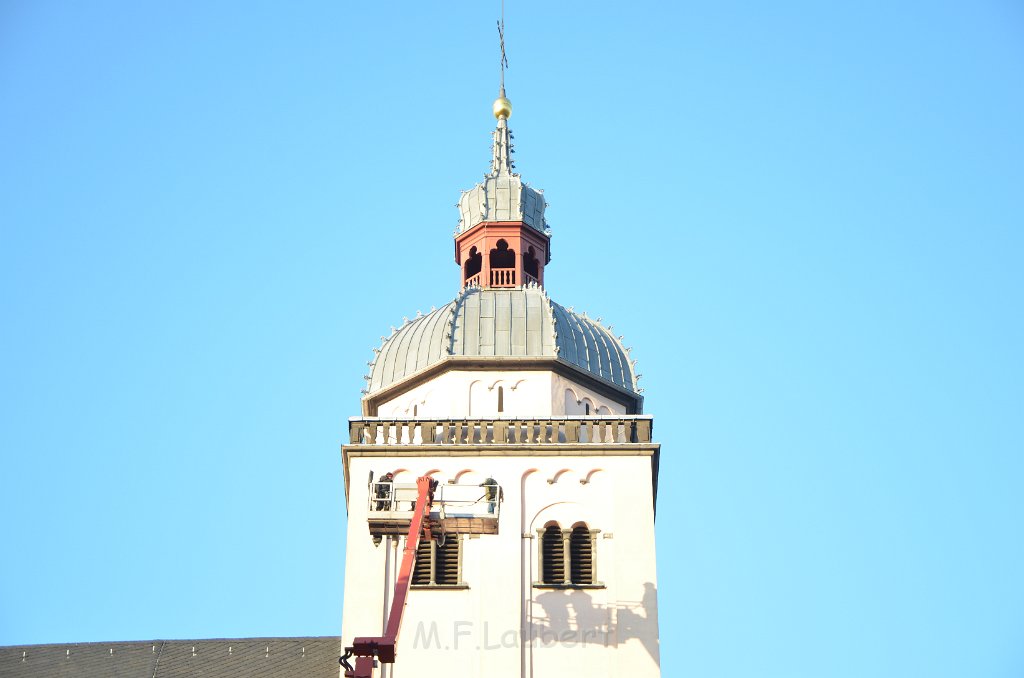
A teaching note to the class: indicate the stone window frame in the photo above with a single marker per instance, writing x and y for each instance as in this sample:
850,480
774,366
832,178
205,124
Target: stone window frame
567,557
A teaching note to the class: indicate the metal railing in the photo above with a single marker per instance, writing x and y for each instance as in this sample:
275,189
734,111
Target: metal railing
450,501
494,431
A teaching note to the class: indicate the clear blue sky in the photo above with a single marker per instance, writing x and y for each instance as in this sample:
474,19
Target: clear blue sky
805,217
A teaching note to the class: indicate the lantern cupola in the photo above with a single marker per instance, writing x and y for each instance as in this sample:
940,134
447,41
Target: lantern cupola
502,240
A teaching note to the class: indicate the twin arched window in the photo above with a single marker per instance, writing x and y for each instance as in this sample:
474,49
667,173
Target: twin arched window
567,556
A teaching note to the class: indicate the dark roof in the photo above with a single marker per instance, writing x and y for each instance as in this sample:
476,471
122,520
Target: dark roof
220,658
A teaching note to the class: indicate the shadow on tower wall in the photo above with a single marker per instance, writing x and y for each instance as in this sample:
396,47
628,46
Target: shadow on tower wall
570,616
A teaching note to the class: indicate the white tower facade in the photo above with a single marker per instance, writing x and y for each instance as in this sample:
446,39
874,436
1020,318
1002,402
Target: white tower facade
541,557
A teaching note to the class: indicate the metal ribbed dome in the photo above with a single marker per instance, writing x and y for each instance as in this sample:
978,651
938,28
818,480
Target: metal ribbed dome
485,322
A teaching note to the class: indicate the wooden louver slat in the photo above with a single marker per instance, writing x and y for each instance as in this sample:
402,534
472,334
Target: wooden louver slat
446,563
581,550
552,556
421,571
437,565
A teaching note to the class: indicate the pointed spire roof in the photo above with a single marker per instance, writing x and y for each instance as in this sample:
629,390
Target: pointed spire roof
502,196
501,160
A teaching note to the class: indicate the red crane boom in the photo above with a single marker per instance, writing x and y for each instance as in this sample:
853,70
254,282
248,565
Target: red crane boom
368,650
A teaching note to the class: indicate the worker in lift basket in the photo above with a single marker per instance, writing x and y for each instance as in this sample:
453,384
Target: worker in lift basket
384,491
491,490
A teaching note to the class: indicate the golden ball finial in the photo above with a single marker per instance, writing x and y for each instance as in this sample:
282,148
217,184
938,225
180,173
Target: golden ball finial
502,108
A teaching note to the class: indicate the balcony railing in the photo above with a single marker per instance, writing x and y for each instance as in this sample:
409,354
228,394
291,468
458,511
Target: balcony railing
494,431
456,509
528,279
503,277
473,280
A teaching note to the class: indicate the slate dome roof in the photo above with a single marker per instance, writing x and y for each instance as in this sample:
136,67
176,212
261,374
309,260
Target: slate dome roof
484,322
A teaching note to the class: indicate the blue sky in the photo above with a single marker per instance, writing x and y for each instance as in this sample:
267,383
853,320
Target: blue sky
806,218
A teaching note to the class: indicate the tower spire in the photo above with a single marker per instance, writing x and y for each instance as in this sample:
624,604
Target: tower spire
502,240
501,157
503,64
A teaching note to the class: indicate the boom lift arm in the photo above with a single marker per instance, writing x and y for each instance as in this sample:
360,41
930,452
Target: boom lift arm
368,650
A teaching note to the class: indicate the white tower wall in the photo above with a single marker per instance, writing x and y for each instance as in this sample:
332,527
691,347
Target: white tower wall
503,624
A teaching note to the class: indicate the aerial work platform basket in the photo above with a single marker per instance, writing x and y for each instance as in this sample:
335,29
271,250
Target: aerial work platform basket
456,509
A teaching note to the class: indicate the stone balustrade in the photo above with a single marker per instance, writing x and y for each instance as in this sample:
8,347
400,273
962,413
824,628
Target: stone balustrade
503,277
501,431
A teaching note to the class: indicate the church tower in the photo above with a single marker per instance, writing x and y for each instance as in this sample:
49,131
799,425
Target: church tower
533,554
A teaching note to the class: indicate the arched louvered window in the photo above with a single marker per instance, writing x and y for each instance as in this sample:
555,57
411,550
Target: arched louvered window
552,556
438,564
581,555
568,557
